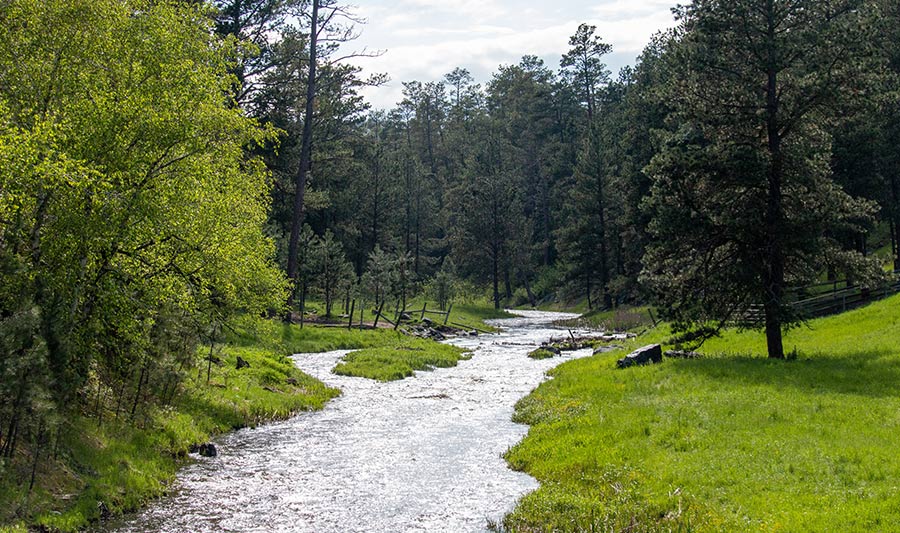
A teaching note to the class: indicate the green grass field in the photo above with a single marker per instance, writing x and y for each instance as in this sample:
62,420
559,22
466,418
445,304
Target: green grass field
730,442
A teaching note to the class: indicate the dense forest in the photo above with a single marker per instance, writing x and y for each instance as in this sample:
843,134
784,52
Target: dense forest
168,166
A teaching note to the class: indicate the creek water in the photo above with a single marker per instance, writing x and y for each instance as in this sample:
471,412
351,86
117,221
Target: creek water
420,454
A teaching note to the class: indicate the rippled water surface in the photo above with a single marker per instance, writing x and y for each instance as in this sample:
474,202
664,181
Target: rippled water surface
421,454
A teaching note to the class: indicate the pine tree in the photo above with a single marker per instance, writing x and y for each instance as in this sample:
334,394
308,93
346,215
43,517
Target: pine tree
742,194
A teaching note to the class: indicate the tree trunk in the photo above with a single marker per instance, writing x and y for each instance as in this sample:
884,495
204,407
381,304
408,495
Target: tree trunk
305,158
604,260
495,273
39,442
302,303
418,233
893,242
507,282
588,290
137,393
531,299
774,272
895,218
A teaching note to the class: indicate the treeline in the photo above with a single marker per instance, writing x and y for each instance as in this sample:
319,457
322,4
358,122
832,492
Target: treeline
750,150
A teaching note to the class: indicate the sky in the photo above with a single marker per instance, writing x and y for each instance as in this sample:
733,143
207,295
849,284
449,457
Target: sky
425,39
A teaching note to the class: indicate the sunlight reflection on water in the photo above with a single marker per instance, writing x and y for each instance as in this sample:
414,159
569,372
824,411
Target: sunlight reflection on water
421,454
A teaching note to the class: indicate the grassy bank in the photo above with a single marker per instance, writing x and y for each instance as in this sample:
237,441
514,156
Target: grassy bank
467,315
625,318
124,460
399,359
730,442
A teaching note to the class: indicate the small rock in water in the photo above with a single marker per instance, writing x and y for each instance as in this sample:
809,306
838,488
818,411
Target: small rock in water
642,356
206,449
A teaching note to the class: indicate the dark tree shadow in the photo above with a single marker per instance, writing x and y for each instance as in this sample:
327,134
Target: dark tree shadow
872,373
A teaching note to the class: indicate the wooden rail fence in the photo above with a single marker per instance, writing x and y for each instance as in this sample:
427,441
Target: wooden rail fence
822,299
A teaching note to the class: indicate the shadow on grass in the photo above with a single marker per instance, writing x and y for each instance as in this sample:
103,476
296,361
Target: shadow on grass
873,373
221,416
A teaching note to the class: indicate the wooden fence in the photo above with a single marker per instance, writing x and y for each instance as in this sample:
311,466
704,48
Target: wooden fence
828,298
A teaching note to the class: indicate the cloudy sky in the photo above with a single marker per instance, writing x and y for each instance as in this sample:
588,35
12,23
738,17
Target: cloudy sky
425,39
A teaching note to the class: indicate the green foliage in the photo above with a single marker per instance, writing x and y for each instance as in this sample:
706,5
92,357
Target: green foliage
399,360
333,273
729,442
130,214
743,200
442,287
583,65
380,276
541,353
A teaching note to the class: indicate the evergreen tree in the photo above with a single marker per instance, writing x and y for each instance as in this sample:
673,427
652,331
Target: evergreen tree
742,195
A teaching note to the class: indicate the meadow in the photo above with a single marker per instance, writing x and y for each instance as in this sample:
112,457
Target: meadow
728,442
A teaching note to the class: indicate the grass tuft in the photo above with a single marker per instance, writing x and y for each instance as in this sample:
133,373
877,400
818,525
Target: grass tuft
541,353
399,360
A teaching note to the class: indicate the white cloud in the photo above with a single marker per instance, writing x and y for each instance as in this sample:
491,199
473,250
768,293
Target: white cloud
425,39
473,10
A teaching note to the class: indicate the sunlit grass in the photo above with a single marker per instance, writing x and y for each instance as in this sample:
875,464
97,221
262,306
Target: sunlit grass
730,442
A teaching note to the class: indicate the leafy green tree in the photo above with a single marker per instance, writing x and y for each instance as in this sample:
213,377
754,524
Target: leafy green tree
587,234
442,286
328,24
129,211
254,24
585,248
487,211
517,99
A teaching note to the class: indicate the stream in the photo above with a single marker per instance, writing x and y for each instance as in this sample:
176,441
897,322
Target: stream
420,454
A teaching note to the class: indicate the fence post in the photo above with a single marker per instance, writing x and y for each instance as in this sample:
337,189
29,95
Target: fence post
378,314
